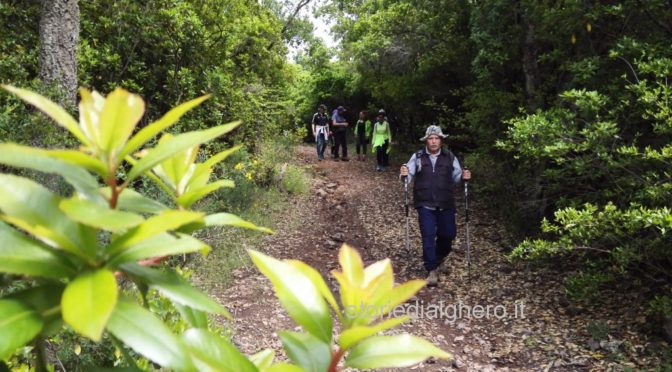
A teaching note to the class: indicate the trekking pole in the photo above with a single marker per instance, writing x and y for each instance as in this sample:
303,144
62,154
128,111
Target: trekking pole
466,217
408,241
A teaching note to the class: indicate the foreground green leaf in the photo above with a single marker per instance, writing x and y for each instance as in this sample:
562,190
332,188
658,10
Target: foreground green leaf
173,286
228,219
160,245
263,359
44,161
24,256
297,294
132,201
353,335
46,300
176,144
56,112
307,351
147,335
33,208
155,225
100,216
18,325
88,302
171,117
214,353
392,351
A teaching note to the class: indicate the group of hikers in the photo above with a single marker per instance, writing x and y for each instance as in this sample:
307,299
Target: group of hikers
435,173
332,132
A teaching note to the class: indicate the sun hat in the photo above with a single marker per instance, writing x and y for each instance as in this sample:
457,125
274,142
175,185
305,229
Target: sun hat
433,130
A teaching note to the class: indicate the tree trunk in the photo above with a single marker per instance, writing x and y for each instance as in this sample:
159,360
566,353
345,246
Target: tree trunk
59,36
530,68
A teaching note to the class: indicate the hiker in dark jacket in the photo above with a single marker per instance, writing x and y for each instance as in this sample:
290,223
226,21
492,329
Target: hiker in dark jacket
436,172
340,131
362,134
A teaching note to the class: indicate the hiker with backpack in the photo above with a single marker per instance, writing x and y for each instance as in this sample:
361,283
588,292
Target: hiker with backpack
340,131
381,140
320,125
362,134
436,172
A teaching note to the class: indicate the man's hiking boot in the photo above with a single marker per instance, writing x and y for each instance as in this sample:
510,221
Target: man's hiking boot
345,158
432,279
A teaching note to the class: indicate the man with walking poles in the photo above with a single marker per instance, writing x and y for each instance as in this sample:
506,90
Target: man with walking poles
437,173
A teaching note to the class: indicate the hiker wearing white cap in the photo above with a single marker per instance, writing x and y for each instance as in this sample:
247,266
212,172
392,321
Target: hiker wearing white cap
381,140
436,171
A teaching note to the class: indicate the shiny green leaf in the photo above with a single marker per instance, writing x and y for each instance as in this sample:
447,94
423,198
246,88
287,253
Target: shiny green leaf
318,281
23,256
148,335
18,325
46,300
100,216
192,196
46,162
165,221
33,208
263,359
118,117
54,111
171,117
228,219
353,335
195,318
214,353
82,159
306,350
159,245
88,302
176,144
132,201
174,287
392,351
297,294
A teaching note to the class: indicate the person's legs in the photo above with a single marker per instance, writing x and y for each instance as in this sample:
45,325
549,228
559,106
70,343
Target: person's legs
344,144
446,232
320,146
379,158
337,143
385,157
428,220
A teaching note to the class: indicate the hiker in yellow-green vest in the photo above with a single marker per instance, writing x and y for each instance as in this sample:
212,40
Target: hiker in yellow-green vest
362,135
381,140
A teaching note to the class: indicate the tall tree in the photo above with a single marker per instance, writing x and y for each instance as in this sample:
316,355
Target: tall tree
59,36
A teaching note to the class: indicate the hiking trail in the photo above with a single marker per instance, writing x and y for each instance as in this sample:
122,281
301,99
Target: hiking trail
504,317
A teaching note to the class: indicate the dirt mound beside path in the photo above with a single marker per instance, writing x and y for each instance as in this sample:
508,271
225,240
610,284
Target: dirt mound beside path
499,317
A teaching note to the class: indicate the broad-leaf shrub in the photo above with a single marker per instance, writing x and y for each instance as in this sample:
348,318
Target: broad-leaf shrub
75,247
610,194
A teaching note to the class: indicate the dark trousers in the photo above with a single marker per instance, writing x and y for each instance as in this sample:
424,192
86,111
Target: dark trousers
382,158
339,141
360,142
438,229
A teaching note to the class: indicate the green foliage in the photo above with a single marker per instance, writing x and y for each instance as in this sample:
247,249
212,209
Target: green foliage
79,244
305,295
295,180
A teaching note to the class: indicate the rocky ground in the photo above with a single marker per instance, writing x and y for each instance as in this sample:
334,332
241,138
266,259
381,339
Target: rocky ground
496,316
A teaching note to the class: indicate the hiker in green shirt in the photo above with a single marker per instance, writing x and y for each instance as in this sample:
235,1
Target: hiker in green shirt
380,143
362,135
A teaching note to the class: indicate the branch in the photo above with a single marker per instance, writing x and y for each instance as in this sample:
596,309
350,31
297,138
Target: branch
290,19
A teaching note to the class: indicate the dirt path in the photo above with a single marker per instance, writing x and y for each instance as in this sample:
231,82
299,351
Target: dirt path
503,318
